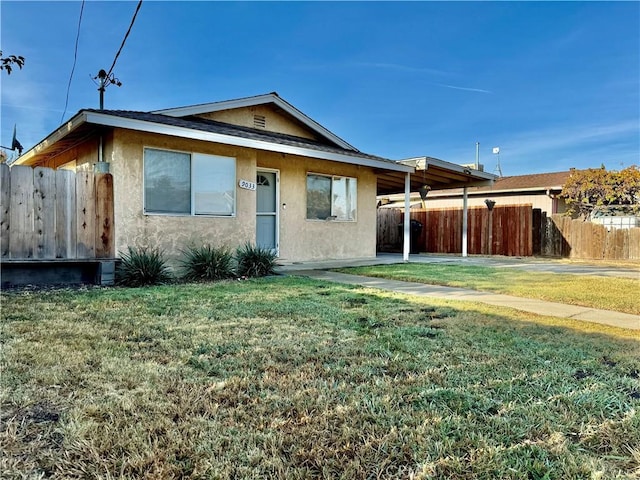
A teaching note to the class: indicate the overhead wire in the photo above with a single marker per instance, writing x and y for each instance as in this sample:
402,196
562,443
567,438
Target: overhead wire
135,14
73,68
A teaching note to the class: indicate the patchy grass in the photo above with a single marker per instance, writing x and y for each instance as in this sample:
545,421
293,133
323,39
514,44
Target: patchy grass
606,293
286,377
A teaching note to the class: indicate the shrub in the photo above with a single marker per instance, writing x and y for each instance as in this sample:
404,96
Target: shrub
141,267
207,263
254,261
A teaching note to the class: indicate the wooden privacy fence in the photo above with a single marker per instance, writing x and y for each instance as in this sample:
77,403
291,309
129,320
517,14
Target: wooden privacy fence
564,237
507,230
55,214
510,230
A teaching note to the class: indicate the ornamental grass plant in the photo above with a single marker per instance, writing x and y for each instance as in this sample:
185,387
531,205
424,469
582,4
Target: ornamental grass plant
142,266
255,261
207,263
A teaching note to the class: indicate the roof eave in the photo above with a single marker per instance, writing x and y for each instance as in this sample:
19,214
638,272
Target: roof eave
104,119
65,129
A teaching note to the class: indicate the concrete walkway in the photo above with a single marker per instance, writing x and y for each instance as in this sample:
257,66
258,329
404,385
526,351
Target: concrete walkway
319,271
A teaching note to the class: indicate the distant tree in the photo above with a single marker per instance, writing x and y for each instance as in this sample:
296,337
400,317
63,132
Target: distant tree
589,190
7,63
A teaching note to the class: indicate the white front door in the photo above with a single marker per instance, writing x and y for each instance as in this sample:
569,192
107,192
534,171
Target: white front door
267,209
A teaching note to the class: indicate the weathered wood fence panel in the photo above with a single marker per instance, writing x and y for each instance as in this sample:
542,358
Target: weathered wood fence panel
564,237
56,214
389,235
86,215
507,230
66,223
104,216
21,234
44,198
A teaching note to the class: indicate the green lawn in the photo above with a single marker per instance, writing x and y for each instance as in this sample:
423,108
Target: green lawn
286,377
606,293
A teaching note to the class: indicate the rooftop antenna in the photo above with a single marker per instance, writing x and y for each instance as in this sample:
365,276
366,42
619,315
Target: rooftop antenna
104,80
496,151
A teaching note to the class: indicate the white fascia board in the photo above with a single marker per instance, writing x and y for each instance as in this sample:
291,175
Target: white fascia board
251,102
216,106
150,127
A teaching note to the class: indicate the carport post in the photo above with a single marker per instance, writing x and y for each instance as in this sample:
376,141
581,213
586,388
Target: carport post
464,222
407,217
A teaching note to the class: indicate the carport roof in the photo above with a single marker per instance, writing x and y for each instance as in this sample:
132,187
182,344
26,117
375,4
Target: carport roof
433,172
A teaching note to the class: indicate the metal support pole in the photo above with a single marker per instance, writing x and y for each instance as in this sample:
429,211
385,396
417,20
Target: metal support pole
406,245
464,221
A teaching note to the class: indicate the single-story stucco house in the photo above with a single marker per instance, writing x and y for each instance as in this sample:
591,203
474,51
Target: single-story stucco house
254,170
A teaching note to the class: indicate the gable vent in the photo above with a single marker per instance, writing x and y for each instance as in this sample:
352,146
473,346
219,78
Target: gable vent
260,121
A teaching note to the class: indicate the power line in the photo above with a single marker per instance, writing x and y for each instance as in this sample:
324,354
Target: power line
75,57
135,14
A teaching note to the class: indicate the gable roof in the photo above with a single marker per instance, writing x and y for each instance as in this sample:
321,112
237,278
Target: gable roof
269,98
85,122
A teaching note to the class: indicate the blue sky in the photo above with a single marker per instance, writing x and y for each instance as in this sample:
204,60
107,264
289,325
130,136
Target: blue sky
554,84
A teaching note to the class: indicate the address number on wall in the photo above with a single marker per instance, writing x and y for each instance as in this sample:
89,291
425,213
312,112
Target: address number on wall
247,185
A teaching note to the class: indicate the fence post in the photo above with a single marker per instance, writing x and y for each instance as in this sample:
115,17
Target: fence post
5,189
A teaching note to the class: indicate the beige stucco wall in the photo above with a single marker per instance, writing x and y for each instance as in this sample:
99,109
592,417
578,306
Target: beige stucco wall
302,239
173,233
276,121
299,239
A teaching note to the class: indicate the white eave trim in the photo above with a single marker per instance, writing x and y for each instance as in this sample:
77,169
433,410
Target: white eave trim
253,101
66,128
151,127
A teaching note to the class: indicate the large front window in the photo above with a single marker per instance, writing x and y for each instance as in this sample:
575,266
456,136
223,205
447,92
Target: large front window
331,198
188,183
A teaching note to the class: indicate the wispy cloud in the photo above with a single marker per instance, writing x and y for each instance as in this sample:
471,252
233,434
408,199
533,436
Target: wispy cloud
579,146
374,65
398,67
467,89
575,137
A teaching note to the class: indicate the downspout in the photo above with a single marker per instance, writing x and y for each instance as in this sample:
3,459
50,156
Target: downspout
407,217
101,166
464,221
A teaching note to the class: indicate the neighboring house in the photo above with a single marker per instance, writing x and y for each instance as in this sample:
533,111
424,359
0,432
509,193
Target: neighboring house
252,170
541,190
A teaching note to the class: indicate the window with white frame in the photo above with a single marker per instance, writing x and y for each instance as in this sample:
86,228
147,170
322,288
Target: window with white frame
331,197
178,183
